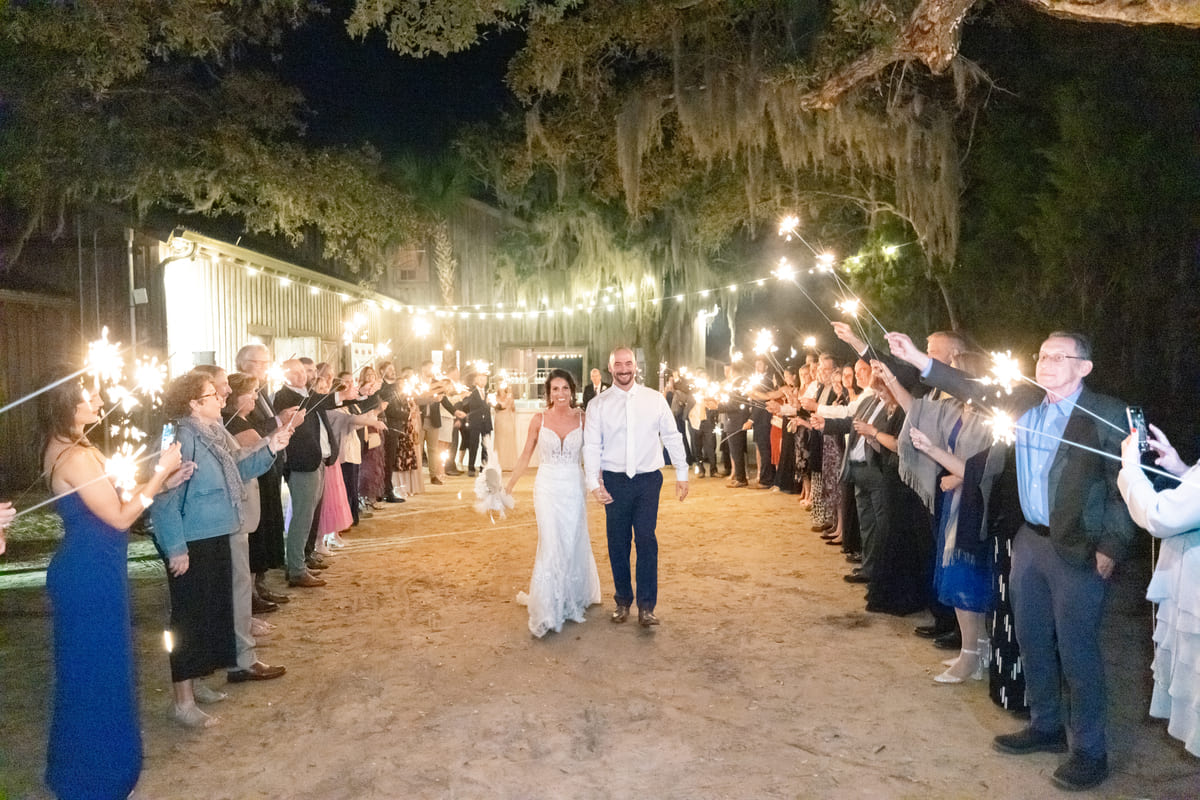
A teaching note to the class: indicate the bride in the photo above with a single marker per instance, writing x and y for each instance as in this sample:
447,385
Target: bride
564,581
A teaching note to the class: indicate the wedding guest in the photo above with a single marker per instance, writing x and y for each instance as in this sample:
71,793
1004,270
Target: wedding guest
308,453
266,541
475,420
409,478
1173,516
95,745
370,475
945,435
595,386
396,417
242,398
219,378
504,437
192,526
336,516
1075,530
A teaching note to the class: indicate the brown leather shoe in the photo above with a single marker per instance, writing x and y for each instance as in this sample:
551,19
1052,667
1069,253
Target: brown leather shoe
306,581
621,614
646,618
273,597
258,672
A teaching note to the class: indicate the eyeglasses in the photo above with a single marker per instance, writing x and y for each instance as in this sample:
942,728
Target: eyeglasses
1055,358
204,397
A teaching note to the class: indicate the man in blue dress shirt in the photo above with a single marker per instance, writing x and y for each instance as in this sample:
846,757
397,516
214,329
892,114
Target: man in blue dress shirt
1074,529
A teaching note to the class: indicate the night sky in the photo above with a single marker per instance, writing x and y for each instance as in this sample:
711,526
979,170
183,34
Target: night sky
362,91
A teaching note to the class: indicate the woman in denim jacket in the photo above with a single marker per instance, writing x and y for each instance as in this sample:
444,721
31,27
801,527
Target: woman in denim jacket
192,524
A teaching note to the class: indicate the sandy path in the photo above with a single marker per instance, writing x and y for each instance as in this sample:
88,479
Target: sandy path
413,675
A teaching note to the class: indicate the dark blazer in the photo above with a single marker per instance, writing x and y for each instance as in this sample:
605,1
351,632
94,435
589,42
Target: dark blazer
589,392
304,449
736,411
1086,510
479,413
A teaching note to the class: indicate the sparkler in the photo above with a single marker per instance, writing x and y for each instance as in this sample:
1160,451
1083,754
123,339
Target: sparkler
1004,428
121,467
149,378
1005,372
788,227
43,390
104,360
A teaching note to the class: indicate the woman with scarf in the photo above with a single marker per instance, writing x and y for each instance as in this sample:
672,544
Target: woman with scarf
192,526
943,454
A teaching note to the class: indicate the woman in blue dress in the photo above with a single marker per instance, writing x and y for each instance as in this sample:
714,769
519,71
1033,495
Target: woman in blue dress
95,747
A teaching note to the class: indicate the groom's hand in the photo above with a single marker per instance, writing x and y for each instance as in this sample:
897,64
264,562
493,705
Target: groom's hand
681,489
601,494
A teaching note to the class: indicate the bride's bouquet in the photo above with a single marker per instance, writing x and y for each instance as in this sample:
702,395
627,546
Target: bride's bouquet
489,491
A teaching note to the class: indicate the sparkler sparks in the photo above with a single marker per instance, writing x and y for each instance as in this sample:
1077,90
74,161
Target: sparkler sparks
1005,372
849,307
121,467
149,378
785,271
1004,428
788,227
104,361
764,342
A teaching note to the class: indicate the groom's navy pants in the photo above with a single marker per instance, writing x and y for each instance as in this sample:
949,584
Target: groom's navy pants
630,518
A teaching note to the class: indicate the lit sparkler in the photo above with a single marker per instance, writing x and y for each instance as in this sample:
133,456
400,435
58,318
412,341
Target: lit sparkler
149,378
104,361
849,306
788,227
1004,428
121,467
1005,372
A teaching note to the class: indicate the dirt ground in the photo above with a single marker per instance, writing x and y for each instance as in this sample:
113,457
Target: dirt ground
413,675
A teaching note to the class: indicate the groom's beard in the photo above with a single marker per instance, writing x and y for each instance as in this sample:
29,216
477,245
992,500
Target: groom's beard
623,380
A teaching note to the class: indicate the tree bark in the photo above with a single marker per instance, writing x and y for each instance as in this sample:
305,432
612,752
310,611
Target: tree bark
933,33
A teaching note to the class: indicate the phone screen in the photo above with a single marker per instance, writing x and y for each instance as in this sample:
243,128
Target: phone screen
1137,422
168,435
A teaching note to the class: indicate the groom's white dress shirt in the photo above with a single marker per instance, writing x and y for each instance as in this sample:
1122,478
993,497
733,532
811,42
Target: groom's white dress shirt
626,431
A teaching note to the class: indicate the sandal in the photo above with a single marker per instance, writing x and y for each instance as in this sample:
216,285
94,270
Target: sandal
192,717
207,696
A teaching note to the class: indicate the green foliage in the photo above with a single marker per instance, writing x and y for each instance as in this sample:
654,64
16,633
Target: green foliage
125,105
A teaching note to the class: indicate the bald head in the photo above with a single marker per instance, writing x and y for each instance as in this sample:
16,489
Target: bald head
623,368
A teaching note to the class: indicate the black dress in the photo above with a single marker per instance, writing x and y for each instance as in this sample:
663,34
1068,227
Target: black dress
901,581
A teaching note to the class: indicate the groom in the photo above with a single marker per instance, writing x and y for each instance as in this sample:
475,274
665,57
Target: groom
627,428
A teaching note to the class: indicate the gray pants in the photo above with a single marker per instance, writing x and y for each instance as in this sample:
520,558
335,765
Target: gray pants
1057,609
871,500
243,592
305,488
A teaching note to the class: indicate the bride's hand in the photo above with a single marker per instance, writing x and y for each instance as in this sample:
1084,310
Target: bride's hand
601,494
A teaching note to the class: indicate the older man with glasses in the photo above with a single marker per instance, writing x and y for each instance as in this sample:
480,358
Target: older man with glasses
1072,529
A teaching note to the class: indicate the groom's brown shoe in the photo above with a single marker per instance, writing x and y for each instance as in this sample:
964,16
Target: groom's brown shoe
646,618
621,614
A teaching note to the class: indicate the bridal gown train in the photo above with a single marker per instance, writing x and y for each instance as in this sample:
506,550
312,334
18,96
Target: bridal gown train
564,581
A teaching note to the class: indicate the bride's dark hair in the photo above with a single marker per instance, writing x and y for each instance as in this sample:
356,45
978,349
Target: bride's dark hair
566,376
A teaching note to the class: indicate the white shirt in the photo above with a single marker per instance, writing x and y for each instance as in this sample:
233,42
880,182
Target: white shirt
848,410
626,431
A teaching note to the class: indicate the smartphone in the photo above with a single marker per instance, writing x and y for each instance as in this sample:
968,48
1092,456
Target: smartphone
168,435
1137,422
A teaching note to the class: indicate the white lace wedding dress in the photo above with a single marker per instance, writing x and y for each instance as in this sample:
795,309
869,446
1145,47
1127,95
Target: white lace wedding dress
564,581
